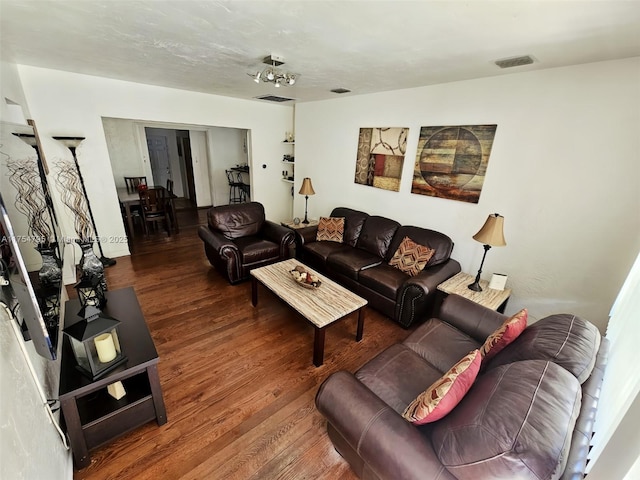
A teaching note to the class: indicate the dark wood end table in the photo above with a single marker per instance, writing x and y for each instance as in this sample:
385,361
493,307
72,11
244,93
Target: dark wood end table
91,415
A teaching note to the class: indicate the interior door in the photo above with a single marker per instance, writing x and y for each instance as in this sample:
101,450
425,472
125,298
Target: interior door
159,159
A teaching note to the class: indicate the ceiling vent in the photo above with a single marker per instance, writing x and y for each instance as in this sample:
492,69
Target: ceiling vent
340,90
274,98
514,61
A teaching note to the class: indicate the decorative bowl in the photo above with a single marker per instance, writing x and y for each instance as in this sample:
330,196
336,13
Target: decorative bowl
305,279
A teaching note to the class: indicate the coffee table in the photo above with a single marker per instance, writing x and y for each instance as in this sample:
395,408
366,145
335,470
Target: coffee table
321,307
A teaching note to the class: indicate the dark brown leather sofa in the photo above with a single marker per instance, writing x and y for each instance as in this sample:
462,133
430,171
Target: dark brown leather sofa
360,263
239,238
529,414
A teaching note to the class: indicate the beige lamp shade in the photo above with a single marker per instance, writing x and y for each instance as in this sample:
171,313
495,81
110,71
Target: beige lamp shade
307,188
491,232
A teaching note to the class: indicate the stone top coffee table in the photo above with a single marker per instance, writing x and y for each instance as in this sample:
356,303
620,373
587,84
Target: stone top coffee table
319,306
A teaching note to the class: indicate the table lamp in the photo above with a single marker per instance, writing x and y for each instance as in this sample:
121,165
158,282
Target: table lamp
306,190
491,235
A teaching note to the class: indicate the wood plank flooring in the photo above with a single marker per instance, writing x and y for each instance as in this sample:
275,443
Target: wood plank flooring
238,382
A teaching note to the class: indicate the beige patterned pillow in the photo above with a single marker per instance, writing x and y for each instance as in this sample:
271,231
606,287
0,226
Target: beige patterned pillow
446,392
410,257
330,229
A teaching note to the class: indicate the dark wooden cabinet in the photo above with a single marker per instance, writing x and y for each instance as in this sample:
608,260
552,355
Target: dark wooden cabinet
92,416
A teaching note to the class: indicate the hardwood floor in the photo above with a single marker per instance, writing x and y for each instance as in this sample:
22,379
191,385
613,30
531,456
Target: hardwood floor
238,381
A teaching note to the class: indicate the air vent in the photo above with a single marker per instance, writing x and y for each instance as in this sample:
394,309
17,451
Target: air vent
274,98
514,62
340,90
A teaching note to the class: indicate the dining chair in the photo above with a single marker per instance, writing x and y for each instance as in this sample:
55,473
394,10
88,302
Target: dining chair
133,183
154,208
171,205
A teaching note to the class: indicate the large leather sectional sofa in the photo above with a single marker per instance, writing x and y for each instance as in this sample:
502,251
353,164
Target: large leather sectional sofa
360,263
529,414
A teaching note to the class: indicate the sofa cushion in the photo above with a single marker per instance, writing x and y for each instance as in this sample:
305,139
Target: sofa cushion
254,249
320,251
410,257
515,422
437,241
351,261
236,221
376,235
330,229
383,279
397,376
506,333
353,221
445,393
440,343
565,339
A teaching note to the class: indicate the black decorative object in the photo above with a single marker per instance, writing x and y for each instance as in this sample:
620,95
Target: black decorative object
492,235
50,273
306,189
95,344
91,291
72,143
90,266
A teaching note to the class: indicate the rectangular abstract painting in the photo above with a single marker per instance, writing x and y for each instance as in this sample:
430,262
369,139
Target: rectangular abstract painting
380,157
451,162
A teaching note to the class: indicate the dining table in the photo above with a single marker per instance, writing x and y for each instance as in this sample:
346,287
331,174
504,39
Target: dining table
129,198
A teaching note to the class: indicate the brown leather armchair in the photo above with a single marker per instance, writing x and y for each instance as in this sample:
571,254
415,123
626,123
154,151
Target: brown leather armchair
239,238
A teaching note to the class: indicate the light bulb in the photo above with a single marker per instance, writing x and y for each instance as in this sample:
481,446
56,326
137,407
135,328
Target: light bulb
278,83
270,75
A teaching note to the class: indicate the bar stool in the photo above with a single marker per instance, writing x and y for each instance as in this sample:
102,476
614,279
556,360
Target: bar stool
235,188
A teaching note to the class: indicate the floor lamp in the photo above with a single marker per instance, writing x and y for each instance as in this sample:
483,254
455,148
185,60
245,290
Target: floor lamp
72,143
306,190
491,235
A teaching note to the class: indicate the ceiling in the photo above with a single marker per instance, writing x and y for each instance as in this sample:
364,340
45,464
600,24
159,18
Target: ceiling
364,46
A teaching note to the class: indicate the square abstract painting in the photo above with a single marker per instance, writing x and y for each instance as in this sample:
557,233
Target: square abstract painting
380,157
451,162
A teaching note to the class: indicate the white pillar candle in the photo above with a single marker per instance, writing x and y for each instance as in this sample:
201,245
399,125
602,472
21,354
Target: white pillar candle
116,390
105,347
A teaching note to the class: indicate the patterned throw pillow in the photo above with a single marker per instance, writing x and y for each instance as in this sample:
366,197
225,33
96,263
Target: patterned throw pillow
330,229
504,335
445,393
410,257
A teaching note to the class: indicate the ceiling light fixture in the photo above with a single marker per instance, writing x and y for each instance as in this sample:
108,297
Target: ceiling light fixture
272,74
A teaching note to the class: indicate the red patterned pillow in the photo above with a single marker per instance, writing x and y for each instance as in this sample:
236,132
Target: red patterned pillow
330,229
445,393
504,335
410,257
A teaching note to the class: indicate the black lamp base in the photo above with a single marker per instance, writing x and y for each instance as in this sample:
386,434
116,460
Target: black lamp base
475,286
306,199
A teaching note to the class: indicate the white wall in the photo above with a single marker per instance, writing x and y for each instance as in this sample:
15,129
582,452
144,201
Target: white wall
124,151
30,446
15,110
65,103
563,171
227,147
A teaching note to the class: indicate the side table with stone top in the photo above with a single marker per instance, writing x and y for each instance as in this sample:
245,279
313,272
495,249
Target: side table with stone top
488,297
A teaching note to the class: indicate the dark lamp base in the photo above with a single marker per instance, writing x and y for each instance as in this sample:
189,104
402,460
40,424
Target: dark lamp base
475,286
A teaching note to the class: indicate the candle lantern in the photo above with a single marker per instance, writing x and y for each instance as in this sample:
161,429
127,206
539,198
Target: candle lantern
95,344
91,292
49,302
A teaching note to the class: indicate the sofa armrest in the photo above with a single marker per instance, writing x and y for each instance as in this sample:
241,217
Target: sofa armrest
307,234
215,240
475,320
416,297
392,447
283,236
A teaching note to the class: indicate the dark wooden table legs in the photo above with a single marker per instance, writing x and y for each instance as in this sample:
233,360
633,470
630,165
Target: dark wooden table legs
318,346
318,339
254,291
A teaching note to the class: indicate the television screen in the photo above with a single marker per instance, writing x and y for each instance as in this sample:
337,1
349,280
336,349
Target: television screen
19,294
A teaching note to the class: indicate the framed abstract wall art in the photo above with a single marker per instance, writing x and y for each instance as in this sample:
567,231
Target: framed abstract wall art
380,157
451,162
